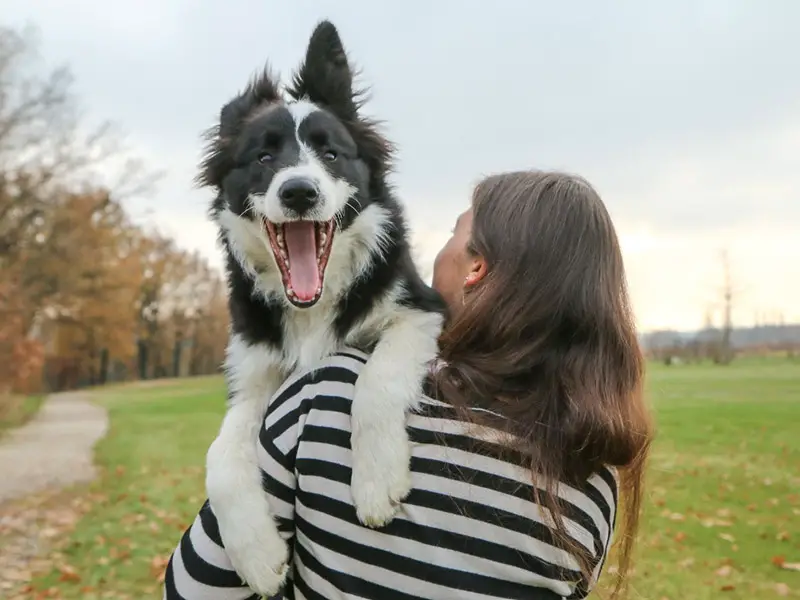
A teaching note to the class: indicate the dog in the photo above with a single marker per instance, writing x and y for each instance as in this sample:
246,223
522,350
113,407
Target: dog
317,258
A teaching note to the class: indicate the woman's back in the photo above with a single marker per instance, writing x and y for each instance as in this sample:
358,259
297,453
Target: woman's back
471,527
539,352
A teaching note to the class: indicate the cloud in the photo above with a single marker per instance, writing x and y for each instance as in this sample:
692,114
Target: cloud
687,120
744,177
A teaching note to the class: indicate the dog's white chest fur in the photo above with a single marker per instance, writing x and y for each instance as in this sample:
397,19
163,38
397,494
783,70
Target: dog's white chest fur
308,338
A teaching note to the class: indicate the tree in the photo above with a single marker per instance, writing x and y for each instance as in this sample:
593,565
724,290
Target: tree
182,312
82,288
97,301
63,231
725,352
21,358
210,333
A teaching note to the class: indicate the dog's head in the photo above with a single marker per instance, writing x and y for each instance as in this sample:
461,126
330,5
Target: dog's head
294,172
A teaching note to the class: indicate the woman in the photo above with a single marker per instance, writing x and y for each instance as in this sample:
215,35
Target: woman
531,431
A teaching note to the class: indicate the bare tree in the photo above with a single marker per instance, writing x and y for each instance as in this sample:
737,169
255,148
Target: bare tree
725,354
47,158
61,182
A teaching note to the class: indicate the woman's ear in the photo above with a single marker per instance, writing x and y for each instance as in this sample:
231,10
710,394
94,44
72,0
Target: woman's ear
477,271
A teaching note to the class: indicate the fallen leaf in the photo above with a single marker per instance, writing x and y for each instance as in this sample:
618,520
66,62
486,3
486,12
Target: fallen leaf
716,523
677,517
679,537
782,589
727,537
791,566
158,566
782,536
728,587
723,571
778,561
67,573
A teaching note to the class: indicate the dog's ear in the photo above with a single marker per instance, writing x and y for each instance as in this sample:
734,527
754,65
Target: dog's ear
325,77
261,90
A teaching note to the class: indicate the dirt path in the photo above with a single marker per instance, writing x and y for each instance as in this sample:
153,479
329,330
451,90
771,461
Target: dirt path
54,449
51,452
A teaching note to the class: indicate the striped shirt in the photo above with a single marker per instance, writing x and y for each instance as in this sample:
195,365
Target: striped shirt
469,530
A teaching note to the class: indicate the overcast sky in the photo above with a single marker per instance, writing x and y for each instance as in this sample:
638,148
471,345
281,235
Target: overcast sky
684,114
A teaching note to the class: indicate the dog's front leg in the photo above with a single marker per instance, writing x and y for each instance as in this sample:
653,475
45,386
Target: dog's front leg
233,477
389,385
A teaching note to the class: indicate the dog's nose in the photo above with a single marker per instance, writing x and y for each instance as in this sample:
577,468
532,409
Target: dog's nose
299,195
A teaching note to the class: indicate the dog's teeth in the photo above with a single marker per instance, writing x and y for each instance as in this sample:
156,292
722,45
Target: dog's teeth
284,256
319,290
323,238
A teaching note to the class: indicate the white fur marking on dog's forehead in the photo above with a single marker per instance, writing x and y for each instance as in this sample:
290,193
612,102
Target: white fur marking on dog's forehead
300,110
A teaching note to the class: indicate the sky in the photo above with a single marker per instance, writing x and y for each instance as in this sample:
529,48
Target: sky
685,115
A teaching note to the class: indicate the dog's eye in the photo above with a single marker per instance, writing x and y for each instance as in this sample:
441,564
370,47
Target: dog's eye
329,155
265,157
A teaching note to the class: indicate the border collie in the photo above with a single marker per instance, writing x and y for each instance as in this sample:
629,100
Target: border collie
317,257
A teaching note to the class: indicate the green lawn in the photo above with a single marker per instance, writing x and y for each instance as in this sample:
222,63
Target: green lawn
723,507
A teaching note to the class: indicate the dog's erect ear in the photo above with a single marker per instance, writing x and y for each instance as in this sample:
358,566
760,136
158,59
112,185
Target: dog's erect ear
325,76
261,90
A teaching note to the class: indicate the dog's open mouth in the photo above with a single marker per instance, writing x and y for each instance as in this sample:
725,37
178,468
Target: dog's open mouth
301,249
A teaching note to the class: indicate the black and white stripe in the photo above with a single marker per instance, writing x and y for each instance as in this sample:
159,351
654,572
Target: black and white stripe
469,529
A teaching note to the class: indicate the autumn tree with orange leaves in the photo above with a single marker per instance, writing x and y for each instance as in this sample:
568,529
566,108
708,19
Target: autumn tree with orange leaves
83,289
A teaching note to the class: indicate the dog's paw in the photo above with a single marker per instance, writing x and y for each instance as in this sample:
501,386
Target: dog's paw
249,534
381,477
265,581
258,554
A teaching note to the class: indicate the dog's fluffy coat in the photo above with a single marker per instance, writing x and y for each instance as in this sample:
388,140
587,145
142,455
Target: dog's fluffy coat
367,294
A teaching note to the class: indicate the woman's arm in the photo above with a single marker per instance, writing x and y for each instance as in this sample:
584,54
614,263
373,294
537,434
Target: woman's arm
199,568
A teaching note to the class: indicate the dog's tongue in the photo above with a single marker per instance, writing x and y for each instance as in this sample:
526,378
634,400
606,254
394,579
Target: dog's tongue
301,246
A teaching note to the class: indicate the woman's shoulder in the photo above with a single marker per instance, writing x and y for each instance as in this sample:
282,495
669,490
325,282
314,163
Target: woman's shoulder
342,367
438,423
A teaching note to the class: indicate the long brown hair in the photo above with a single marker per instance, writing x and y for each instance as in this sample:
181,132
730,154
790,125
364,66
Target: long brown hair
547,340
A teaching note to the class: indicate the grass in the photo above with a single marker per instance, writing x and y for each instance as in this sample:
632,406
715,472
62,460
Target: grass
724,483
17,410
722,510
